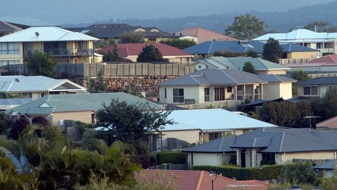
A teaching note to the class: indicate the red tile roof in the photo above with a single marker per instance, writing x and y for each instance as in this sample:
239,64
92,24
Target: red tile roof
329,123
203,34
197,180
330,58
133,49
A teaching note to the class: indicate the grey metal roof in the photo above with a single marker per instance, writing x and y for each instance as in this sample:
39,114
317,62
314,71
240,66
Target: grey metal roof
319,81
210,76
79,102
219,145
283,140
276,78
238,63
330,165
20,83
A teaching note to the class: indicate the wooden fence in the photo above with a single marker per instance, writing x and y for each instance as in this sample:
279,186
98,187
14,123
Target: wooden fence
113,70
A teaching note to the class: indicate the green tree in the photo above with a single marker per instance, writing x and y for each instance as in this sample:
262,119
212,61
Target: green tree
251,53
41,64
249,67
178,43
112,56
97,85
329,183
299,75
327,104
246,27
132,37
272,50
286,114
150,54
132,124
318,26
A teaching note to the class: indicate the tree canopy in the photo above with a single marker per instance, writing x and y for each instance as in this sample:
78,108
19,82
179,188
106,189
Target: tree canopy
272,51
132,37
178,43
150,54
249,67
299,75
246,27
112,56
41,64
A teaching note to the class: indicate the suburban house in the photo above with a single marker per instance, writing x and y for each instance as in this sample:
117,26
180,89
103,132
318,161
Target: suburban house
196,180
290,50
200,35
330,123
198,126
34,87
75,107
261,66
65,46
316,87
106,32
323,41
273,145
7,28
131,51
219,86
327,168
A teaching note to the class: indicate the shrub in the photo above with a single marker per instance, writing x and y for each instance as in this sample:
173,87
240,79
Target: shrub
173,157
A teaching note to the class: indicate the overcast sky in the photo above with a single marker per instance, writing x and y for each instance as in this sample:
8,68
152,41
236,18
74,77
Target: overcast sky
81,11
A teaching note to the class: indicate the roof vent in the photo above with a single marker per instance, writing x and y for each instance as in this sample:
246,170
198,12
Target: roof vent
37,34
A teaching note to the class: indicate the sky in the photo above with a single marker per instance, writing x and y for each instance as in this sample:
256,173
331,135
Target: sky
84,11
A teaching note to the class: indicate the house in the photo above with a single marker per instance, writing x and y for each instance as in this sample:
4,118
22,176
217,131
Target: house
218,86
11,103
64,46
7,28
323,41
316,87
326,59
106,32
290,50
75,107
200,35
35,87
132,50
330,123
198,126
273,145
196,180
327,168
261,66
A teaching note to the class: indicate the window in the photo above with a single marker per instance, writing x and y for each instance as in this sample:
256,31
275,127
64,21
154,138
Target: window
9,48
219,94
178,95
165,93
229,89
310,90
9,62
55,48
206,95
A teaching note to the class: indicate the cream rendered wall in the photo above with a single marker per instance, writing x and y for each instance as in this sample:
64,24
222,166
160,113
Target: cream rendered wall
288,157
189,93
271,91
286,90
190,136
302,55
83,116
275,72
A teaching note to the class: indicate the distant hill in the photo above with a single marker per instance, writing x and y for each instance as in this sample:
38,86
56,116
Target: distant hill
279,21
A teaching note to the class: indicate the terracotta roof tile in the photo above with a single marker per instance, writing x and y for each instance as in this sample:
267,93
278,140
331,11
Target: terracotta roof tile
197,180
329,123
331,58
203,34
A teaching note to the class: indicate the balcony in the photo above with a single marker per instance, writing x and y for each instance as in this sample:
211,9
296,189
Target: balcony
62,52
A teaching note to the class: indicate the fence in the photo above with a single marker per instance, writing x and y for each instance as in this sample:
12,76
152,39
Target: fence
113,70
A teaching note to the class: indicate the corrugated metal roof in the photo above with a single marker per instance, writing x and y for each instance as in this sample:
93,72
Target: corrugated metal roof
45,34
20,83
318,81
79,102
278,140
212,120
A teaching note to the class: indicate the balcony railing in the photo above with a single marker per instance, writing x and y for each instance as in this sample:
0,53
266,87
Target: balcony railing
62,52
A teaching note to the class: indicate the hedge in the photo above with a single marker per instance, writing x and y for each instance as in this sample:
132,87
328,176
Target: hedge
174,157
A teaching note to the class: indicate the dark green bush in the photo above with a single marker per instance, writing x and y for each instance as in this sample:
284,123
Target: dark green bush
173,157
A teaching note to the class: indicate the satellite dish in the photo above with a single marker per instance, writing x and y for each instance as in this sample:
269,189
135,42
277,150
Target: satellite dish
37,34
